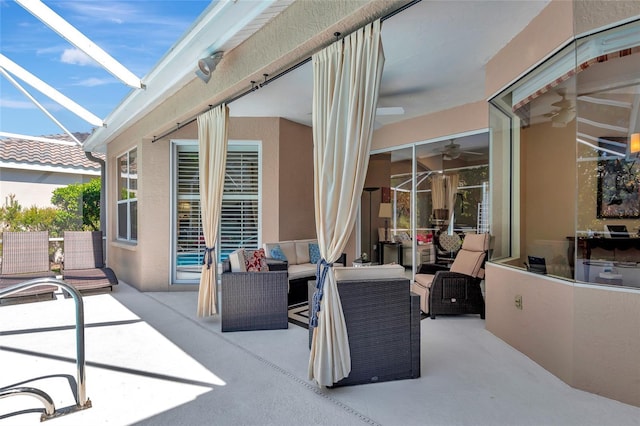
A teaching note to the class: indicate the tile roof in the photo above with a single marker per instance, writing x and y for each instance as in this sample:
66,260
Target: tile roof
49,154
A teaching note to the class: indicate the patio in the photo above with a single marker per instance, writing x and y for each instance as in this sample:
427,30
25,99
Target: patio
150,360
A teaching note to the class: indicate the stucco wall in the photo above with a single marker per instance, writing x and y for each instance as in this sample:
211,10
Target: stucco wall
296,205
588,336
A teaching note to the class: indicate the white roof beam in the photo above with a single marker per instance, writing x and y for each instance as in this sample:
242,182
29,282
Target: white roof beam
35,101
45,89
79,40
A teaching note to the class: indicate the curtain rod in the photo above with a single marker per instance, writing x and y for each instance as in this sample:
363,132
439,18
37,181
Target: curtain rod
255,86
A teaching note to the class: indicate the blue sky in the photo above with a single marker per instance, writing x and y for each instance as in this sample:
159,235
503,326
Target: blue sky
136,33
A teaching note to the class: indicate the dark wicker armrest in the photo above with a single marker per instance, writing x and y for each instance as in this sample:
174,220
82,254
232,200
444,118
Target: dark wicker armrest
431,268
342,259
277,264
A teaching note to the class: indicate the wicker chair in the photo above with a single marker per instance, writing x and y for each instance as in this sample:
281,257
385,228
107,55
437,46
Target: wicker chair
83,265
455,290
25,256
383,325
253,300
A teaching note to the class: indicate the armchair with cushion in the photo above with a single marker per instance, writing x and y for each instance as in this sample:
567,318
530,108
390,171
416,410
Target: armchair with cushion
25,256
383,323
455,290
253,297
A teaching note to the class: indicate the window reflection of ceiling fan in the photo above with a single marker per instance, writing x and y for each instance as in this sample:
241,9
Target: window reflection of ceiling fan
566,110
452,151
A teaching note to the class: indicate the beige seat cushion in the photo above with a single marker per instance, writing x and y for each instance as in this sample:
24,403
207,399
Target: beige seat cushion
302,250
302,271
421,287
351,273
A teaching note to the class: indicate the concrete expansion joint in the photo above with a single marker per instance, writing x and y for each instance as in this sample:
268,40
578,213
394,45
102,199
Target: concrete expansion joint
310,386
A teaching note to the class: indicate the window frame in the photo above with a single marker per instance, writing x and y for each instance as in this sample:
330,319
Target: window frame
129,201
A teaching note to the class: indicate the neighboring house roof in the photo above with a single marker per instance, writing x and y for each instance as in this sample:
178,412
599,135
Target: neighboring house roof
36,154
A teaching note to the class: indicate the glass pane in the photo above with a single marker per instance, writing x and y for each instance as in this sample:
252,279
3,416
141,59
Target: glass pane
133,217
238,225
123,178
122,221
608,169
133,173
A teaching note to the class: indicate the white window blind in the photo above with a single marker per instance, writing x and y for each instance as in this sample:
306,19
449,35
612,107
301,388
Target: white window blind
240,220
190,242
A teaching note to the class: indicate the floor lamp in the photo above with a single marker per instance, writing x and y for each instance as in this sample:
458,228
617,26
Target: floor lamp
370,189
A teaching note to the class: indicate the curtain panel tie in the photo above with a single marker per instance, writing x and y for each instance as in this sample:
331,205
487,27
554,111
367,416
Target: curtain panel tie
207,259
321,275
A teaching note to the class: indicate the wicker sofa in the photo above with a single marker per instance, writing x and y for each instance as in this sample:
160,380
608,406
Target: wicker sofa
300,269
383,323
253,300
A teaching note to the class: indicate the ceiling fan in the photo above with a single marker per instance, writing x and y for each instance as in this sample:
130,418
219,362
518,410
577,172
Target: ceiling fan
452,151
566,110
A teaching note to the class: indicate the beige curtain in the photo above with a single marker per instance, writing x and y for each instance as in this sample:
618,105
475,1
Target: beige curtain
438,192
212,136
346,84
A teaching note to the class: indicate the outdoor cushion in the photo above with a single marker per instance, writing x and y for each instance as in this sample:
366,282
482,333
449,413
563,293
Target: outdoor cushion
476,242
302,250
302,271
277,253
349,273
314,253
424,280
468,262
256,261
287,247
237,261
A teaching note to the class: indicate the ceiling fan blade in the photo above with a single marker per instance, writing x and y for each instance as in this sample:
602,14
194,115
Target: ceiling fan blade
472,152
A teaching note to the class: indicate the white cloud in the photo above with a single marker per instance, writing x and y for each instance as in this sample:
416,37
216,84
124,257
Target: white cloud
9,103
76,57
93,82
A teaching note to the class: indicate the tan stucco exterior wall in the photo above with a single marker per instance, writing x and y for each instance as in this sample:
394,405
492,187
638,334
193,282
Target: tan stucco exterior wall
297,208
464,118
586,335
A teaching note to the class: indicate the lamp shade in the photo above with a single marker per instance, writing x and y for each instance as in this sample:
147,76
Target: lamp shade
385,211
634,143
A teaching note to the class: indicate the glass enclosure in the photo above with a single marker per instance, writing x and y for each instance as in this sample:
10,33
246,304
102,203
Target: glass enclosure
434,188
569,133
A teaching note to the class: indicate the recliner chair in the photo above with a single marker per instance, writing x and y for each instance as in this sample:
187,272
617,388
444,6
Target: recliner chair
455,290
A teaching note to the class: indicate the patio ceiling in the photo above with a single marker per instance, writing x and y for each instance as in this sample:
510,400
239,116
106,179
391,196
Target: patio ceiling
436,52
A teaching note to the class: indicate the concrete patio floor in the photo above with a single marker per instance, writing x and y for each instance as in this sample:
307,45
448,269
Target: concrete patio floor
150,360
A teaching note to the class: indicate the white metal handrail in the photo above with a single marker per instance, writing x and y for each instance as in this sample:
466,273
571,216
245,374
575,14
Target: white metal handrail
82,402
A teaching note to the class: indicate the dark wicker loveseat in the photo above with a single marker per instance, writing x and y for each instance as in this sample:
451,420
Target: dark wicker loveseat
383,325
253,300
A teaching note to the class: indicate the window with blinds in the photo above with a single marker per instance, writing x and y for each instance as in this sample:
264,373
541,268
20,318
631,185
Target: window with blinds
240,220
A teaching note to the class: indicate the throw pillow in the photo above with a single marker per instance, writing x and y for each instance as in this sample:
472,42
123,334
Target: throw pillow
277,253
256,260
314,253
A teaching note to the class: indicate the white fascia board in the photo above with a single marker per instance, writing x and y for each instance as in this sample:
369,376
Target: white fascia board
48,168
79,40
9,66
216,26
